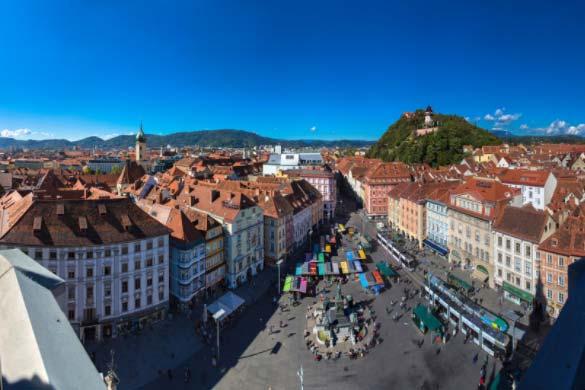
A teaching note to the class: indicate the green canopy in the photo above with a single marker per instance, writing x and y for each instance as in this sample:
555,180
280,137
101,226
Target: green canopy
424,314
523,295
385,270
458,282
287,284
321,257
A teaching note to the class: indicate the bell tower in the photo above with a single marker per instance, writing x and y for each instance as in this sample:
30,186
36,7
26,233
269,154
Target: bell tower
140,145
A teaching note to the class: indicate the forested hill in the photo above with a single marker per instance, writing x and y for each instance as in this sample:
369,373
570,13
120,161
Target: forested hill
443,147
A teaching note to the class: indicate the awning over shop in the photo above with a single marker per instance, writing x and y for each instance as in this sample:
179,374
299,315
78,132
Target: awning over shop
364,281
343,266
424,314
479,274
436,247
341,228
358,266
385,270
458,282
335,268
349,255
228,302
362,254
321,267
321,257
523,295
299,270
327,248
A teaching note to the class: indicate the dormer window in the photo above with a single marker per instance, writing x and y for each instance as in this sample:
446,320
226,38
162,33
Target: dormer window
37,224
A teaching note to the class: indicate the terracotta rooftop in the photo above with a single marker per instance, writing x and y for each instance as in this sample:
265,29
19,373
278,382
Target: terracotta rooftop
536,178
524,222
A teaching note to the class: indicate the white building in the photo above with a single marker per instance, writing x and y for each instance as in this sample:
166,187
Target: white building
112,255
537,187
105,165
518,232
278,162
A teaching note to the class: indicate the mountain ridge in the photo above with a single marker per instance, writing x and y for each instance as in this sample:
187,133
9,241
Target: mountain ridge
207,138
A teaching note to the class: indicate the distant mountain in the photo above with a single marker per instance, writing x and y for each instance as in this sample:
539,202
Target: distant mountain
445,146
210,138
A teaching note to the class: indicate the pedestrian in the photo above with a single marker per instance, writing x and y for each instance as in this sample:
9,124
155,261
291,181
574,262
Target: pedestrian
475,358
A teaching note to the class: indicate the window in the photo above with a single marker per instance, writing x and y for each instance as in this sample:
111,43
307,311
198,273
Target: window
161,242
124,306
108,252
500,241
161,295
107,270
528,285
508,261
136,247
137,284
137,265
548,277
517,281
161,278
161,259
499,258
71,314
89,255
149,262
149,245
499,272
89,272
508,243
124,267
549,293
71,255
124,249
527,251
89,292
549,259
137,303
107,290
149,300
107,310
38,254
124,286
149,282
517,248
52,255
528,268
561,297
70,274
561,280
71,293
561,261
517,265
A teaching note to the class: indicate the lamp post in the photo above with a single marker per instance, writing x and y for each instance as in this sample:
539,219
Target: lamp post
278,263
217,316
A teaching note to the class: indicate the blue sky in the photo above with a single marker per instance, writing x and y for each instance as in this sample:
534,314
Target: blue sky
71,69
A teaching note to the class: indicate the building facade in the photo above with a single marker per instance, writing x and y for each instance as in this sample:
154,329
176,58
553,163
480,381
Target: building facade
518,232
113,257
537,186
378,182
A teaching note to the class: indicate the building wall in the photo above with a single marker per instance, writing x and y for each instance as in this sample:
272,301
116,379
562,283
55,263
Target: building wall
109,286
274,239
515,261
437,227
470,242
214,258
187,271
554,280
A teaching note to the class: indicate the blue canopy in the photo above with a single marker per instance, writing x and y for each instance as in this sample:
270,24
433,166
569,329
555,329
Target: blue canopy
436,247
299,270
364,281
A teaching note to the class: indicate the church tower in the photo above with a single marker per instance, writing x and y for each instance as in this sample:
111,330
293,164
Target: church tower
429,117
140,145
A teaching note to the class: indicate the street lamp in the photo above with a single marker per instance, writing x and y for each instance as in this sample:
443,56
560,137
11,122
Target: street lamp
278,263
217,316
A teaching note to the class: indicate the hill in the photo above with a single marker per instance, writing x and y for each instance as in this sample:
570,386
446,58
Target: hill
443,147
210,138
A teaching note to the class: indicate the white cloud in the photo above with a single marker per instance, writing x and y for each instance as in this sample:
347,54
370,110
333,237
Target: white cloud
523,126
16,133
560,127
505,118
109,136
313,128
489,117
499,112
